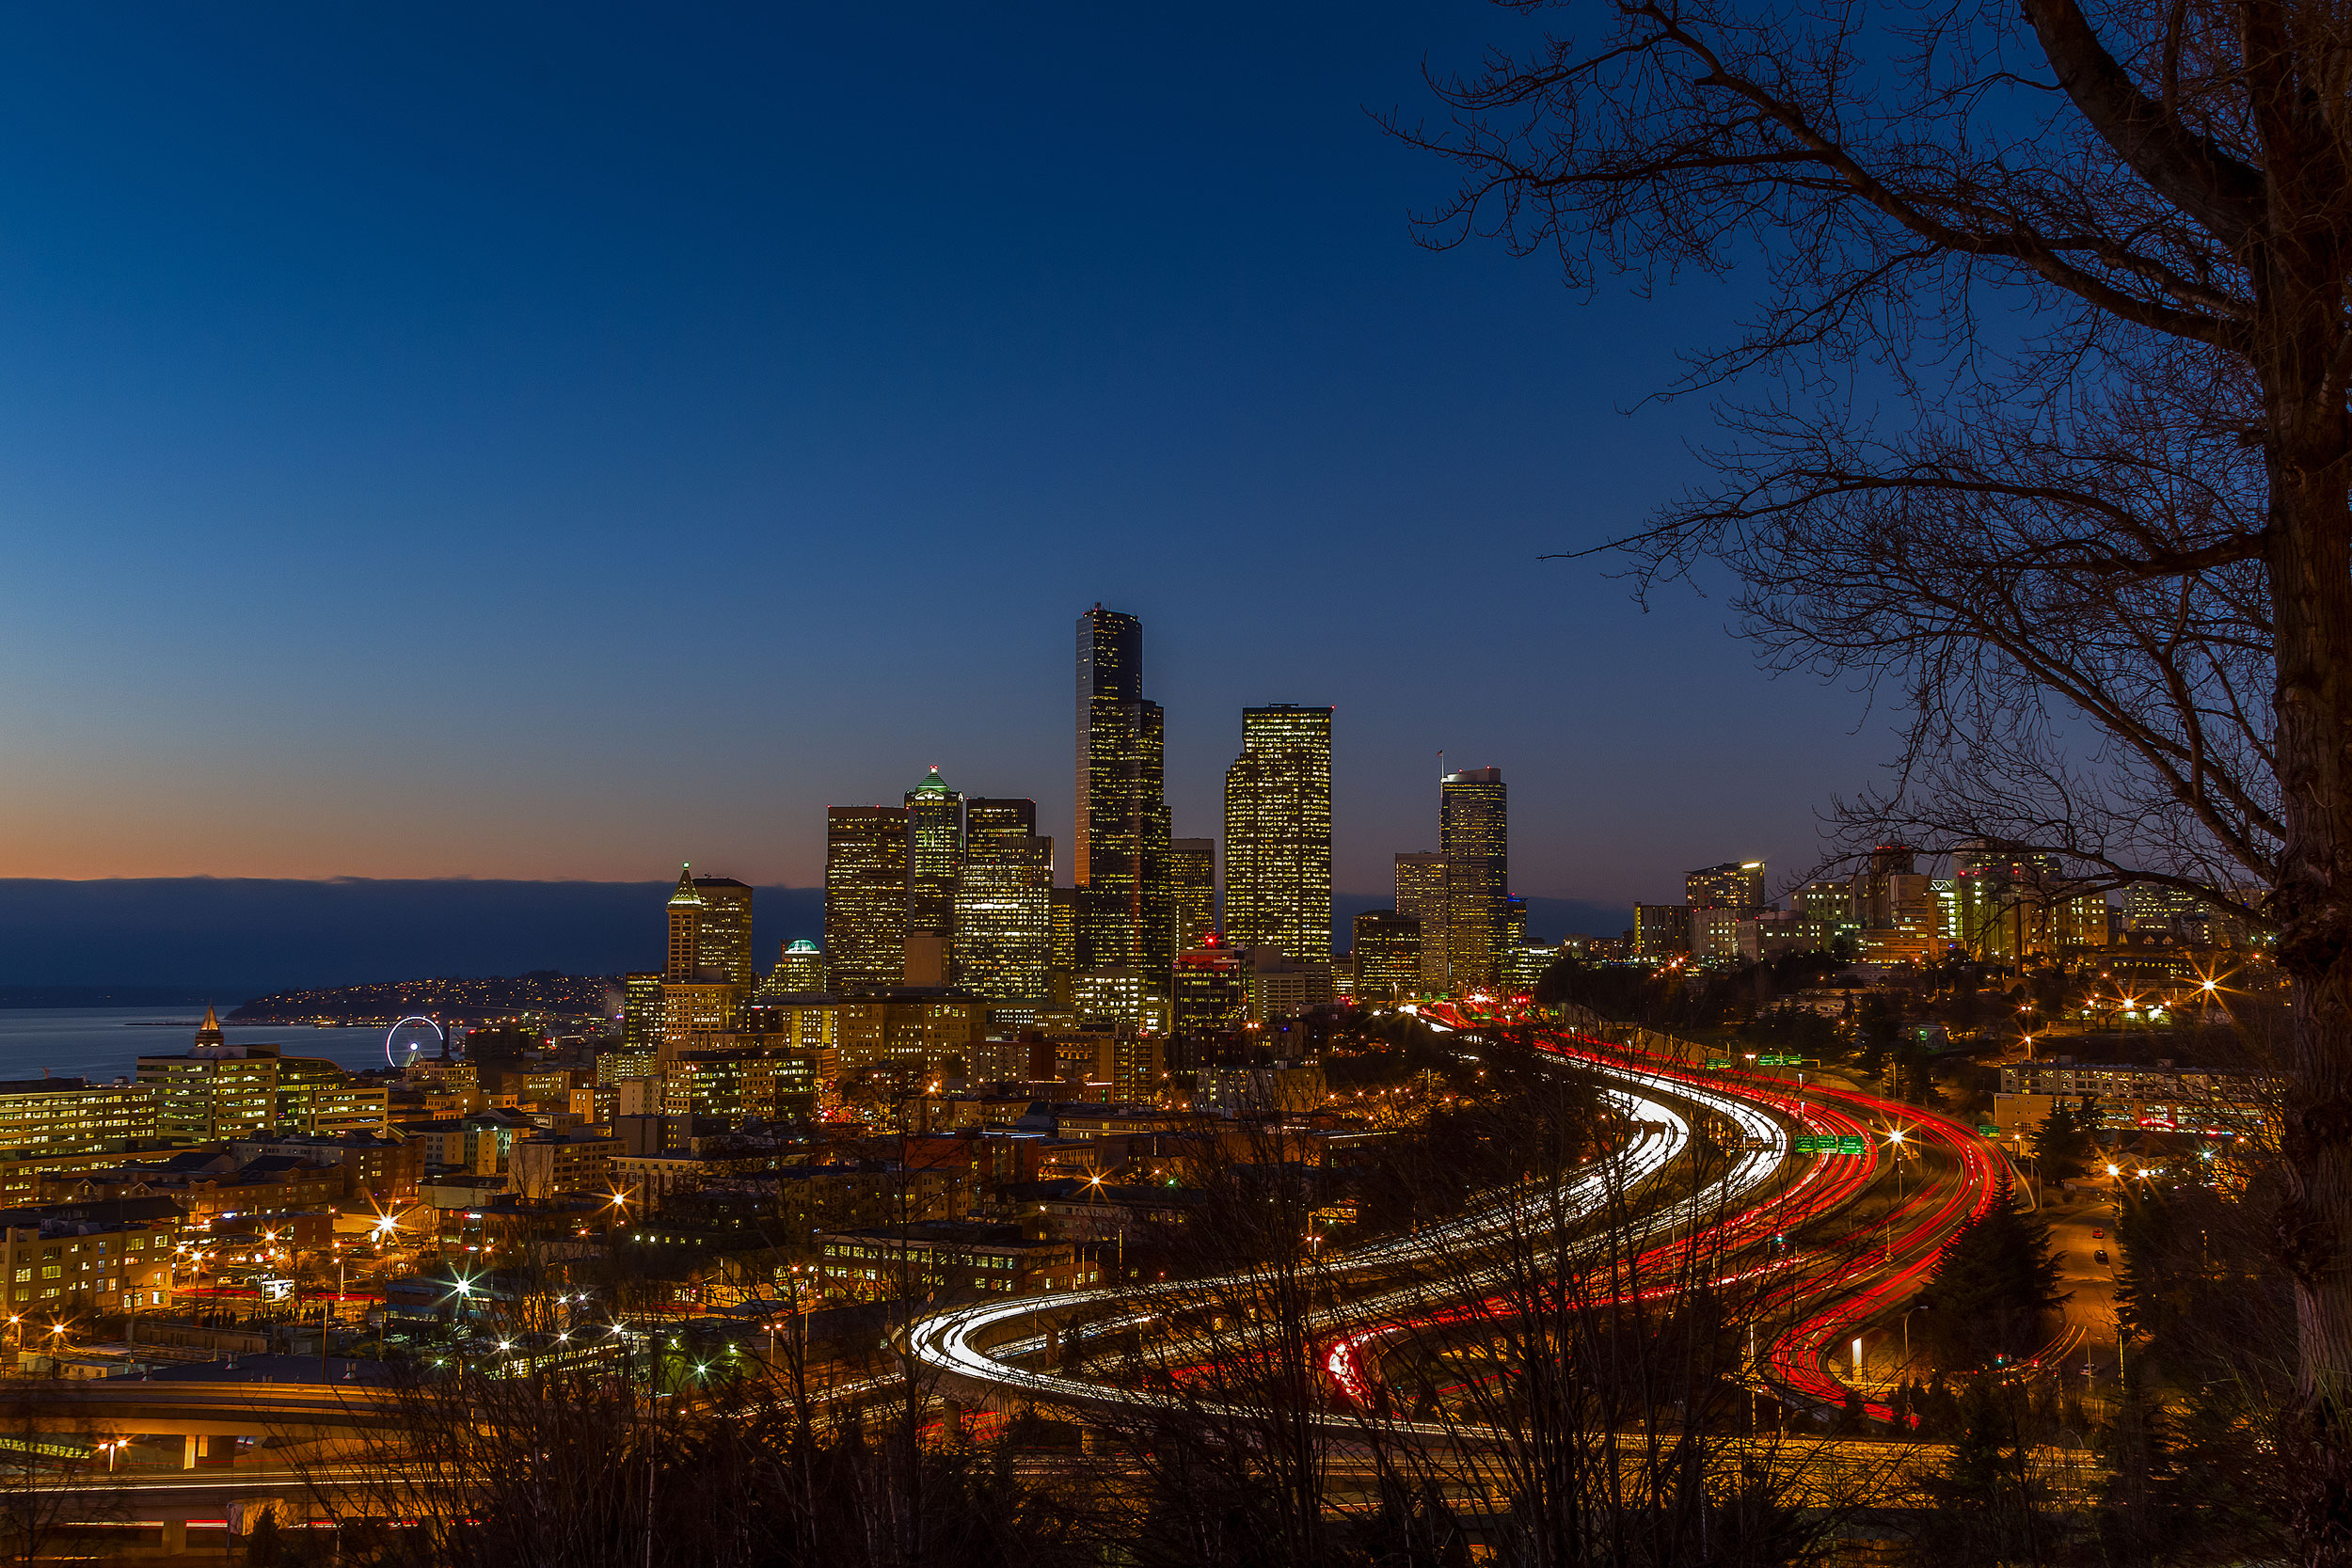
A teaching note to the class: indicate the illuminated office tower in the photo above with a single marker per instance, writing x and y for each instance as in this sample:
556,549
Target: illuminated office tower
934,854
1277,831
866,896
800,969
1192,889
1513,924
1733,885
1473,835
1119,859
1211,1002
685,914
1420,898
1387,956
722,931
1004,903
641,1012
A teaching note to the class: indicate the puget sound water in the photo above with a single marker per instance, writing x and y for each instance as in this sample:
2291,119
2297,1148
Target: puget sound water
106,1043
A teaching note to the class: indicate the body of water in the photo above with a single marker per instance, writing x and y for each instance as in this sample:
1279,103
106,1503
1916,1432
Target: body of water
103,1043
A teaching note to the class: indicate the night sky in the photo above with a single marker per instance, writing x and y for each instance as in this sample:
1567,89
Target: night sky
559,442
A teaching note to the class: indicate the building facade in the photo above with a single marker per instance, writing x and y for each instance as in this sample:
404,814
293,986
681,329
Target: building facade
866,896
1473,821
1277,831
1118,862
1420,896
1192,889
1387,956
1004,904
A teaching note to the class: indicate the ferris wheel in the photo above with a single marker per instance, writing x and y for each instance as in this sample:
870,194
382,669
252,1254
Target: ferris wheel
407,1039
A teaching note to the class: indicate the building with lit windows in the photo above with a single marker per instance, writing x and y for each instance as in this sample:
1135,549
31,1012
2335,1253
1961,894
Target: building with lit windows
1004,904
225,1091
72,1115
641,1012
1420,896
1737,885
1475,837
722,930
1277,831
948,1258
935,855
1387,956
1661,932
1192,889
109,1257
866,896
1126,919
799,970
1212,1002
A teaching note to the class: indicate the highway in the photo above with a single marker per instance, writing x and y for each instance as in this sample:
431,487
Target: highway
1832,1289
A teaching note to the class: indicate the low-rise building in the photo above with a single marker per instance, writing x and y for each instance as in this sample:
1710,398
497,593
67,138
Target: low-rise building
949,1258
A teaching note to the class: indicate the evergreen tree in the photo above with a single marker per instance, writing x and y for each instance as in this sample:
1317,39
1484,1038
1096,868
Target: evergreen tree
1994,1282
2061,1145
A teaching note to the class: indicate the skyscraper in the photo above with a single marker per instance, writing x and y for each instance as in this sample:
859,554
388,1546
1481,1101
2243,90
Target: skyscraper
1119,859
685,915
722,930
1277,831
1420,898
1004,903
934,854
1192,889
1387,956
1473,835
866,896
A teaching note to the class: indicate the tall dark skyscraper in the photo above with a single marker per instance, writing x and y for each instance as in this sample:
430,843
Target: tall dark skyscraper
1277,831
934,854
866,896
1473,828
1126,918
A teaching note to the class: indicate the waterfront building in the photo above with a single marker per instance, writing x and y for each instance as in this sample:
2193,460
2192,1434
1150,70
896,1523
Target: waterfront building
226,1091
1277,831
1119,858
72,1116
866,896
1475,837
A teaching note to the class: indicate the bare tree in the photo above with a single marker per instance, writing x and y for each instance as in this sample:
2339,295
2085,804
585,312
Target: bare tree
2045,424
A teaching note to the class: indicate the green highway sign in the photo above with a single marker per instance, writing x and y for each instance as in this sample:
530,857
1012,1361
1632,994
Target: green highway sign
1771,1061
1850,1146
1717,1061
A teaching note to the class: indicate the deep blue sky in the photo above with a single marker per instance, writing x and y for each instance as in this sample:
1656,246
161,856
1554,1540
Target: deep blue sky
470,440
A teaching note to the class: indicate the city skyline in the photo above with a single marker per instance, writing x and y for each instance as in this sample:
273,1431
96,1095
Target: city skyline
413,438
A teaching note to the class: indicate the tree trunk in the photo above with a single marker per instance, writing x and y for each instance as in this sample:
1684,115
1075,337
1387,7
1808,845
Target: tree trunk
2309,555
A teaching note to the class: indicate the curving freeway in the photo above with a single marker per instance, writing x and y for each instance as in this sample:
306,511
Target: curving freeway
1734,1220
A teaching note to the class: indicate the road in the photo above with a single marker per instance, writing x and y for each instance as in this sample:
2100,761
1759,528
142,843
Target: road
1844,1286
